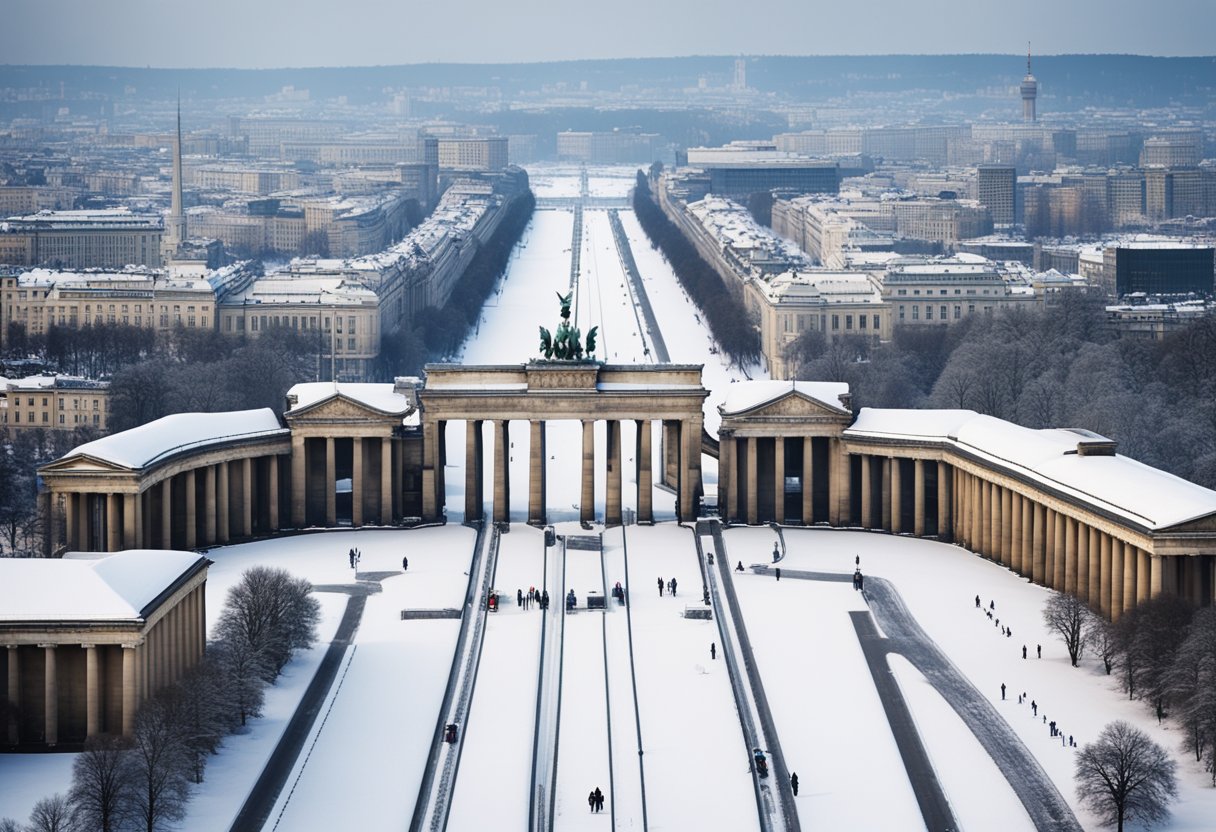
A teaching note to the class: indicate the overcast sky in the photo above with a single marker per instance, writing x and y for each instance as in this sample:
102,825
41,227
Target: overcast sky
275,33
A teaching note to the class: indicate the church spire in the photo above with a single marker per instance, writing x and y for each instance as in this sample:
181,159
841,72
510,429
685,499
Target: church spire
175,231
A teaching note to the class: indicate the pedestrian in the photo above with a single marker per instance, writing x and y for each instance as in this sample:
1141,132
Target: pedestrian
739,566
989,615
660,587
673,587
1071,744
1023,651
794,782
1002,691
1019,699
1052,726
861,581
544,600
977,602
1062,743
1034,707
857,560
352,558
591,799
599,800
992,605
519,598
713,650
405,563
776,553
1039,648
778,571
998,622
1009,632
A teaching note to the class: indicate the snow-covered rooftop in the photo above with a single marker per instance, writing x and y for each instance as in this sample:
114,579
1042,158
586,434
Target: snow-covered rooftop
747,395
1119,484
141,446
376,396
89,587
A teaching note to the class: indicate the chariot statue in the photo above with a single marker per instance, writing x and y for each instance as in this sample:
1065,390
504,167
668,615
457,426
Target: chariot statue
566,343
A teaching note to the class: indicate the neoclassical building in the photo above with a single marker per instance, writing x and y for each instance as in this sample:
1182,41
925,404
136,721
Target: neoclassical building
86,638
1058,506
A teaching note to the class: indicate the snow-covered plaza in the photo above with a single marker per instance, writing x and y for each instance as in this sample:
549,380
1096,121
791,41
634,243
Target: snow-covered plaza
659,701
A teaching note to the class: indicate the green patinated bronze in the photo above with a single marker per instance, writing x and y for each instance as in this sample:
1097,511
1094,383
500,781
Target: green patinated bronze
566,344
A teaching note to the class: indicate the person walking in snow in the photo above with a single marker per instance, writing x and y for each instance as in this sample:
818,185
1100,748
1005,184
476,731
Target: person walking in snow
739,566
519,598
977,602
1002,691
673,587
405,563
660,587
1039,648
1034,707
591,799
713,650
778,571
599,800
1023,651
352,558
794,782
776,553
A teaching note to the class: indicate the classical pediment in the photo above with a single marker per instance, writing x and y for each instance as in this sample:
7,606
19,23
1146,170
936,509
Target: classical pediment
791,406
338,408
83,464
1199,525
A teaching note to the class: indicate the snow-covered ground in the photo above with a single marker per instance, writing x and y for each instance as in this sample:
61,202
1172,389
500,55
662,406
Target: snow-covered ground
365,758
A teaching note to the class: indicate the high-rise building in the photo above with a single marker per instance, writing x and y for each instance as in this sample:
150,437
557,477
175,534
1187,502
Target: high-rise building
996,187
175,223
1157,268
1030,91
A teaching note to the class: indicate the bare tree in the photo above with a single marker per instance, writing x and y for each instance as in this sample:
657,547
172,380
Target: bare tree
159,765
10,825
1125,776
272,612
205,711
1100,635
1149,637
1068,616
52,814
244,672
1192,685
102,784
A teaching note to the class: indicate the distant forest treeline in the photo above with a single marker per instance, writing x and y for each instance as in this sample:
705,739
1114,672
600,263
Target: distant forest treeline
1075,80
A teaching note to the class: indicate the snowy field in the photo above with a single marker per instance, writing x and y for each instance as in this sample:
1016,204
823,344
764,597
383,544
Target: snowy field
365,758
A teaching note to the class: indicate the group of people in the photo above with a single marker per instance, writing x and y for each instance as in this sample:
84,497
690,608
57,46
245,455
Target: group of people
596,800
859,580
670,586
525,600
355,555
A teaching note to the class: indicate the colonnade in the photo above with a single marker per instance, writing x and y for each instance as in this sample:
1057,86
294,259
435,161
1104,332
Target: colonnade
315,473
753,471
206,505
904,495
72,700
681,466
1060,550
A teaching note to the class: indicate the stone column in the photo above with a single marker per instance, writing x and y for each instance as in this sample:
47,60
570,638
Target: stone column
92,692
1154,580
356,481
587,501
502,475
247,497
272,486
130,522
1082,589
897,495
474,477
1015,532
209,505
191,510
646,473
884,501
331,483
1027,537
1070,555
113,527
779,479
1143,590
918,497
975,512
690,462
129,689
1039,544
945,501
753,484
386,481
808,480
1049,543
14,692
51,695
1093,554
1117,579
1130,566
840,484
165,537
223,516
726,474
1105,584
612,496
867,493
983,532
536,473
299,476
1007,527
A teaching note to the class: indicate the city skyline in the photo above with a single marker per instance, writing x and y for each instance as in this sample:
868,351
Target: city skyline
66,32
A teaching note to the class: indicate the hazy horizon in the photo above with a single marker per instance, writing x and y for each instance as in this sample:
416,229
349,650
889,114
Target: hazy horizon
278,34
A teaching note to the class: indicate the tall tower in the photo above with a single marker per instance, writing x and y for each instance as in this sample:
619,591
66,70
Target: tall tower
1030,91
175,227
740,78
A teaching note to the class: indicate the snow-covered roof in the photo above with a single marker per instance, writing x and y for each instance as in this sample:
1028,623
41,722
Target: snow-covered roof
140,447
376,396
747,395
1115,483
88,586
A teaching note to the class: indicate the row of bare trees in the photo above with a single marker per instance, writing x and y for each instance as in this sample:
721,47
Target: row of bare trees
142,782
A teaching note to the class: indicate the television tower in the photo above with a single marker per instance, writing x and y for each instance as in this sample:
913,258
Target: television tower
175,227
1030,91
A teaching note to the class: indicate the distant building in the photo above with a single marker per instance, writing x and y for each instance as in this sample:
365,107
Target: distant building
107,239
1030,91
609,147
1158,268
738,170
944,290
474,153
55,403
996,188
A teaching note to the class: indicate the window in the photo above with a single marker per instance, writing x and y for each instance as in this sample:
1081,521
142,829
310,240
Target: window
61,401
943,311
903,291
46,417
915,313
876,326
958,312
848,321
835,322
901,313
861,321
971,309
61,418
351,324
95,404
928,312
351,344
